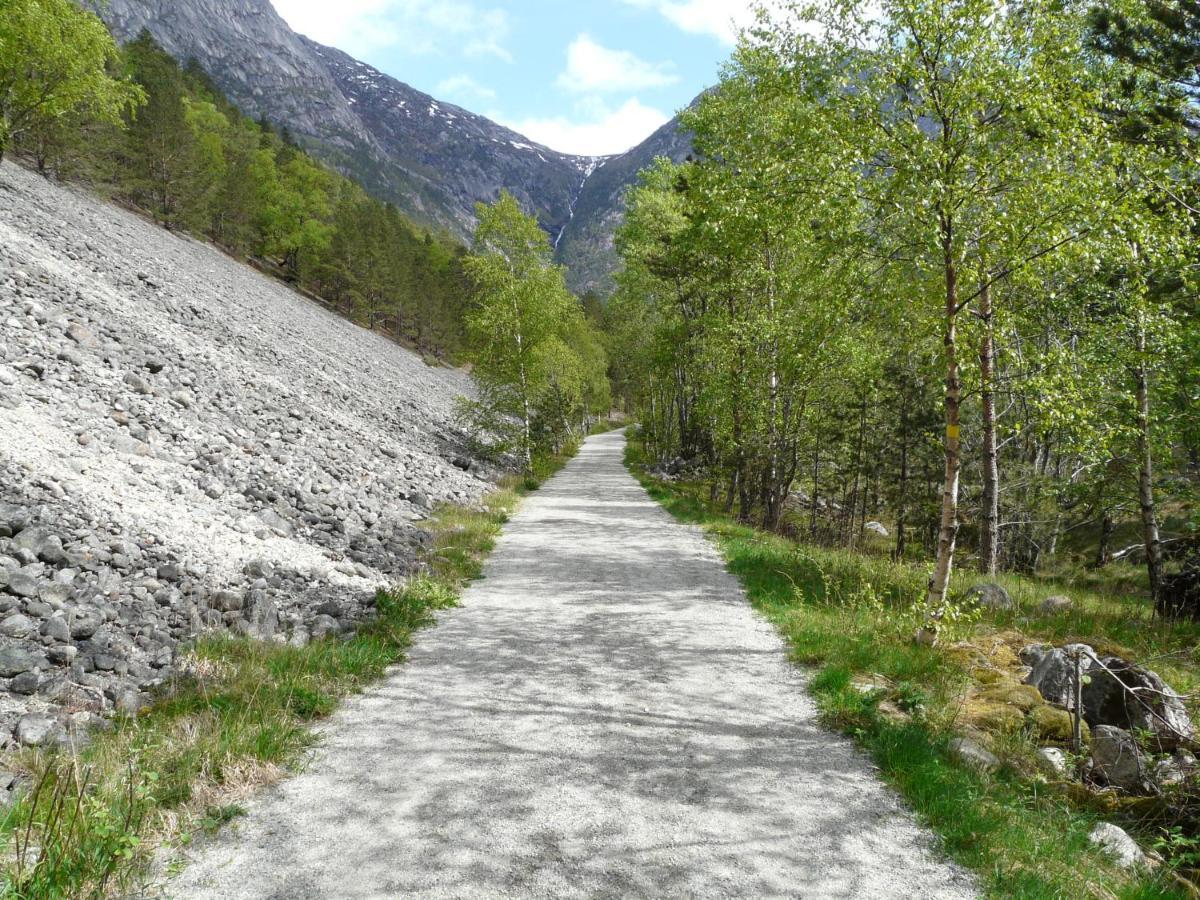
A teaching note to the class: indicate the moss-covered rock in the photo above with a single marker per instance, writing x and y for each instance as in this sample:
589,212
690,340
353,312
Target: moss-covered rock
1023,696
1054,724
992,715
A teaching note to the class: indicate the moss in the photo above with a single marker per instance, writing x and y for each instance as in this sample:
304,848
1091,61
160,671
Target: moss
1023,696
1054,724
991,715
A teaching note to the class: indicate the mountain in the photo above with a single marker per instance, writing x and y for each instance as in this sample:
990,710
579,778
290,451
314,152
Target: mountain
434,160
586,245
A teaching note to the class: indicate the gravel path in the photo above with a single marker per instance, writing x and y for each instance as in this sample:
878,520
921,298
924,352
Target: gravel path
605,716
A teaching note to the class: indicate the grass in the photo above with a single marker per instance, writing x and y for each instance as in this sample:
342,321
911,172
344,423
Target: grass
238,715
851,616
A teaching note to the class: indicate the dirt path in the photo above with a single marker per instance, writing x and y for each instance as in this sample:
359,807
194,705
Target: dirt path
604,717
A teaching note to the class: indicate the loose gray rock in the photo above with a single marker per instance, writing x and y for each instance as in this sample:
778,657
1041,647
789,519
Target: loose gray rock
39,731
989,596
14,661
1055,605
56,629
18,626
1117,759
1117,843
85,620
1053,761
22,584
26,683
154,457
967,753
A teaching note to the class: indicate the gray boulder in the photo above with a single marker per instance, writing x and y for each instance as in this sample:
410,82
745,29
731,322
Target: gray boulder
1054,673
56,629
39,731
14,661
18,626
989,595
1053,761
276,523
262,617
1055,605
1117,843
22,584
85,620
969,754
1130,697
13,519
1117,759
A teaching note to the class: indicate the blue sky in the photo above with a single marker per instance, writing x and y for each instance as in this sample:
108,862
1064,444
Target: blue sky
581,77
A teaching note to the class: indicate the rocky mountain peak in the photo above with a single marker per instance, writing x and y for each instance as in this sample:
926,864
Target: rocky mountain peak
433,159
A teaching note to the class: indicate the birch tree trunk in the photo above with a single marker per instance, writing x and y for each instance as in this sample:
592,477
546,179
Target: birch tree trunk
1154,562
939,582
989,537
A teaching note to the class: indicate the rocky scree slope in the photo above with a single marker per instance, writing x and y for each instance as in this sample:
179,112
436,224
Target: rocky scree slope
432,159
187,445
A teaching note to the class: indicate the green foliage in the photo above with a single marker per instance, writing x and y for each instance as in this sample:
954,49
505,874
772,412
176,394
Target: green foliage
54,68
538,363
922,272
164,139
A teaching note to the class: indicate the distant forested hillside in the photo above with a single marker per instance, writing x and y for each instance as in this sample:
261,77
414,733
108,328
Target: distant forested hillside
184,154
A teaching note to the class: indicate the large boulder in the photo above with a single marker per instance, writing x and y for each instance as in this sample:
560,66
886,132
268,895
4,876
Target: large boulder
1128,696
1054,673
988,595
1118,761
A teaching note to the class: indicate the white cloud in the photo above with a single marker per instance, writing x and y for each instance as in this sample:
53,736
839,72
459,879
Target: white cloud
464,86
721,19
598,130
592,68
360,27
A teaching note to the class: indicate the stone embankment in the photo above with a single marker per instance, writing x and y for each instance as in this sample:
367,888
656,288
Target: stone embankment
187,445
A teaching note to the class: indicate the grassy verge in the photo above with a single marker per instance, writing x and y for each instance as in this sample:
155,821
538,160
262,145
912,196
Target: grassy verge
851,618
238,716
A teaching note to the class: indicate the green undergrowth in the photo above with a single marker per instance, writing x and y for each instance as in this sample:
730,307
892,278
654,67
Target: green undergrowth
851,618
238,715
